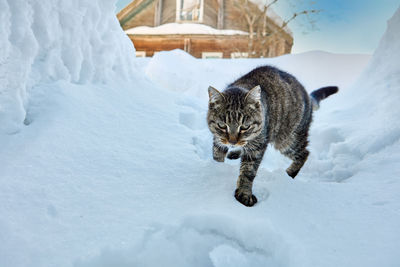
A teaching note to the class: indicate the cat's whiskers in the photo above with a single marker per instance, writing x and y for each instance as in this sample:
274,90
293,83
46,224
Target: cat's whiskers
242,143
224,141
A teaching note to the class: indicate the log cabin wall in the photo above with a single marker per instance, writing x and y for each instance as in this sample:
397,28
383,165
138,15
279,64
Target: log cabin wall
193,44
168,14
210,16
233,18
220,20
197,44
157,12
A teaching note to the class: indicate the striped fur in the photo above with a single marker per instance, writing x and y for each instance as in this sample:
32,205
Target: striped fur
265,106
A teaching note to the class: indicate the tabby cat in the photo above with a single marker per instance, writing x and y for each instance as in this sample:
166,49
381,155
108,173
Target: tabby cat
265,106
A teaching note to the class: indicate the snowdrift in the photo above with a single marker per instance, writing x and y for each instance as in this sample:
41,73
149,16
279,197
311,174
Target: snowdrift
378,93
113,165
52,40
372,102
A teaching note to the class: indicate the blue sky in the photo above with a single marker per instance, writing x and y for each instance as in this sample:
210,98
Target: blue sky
343,26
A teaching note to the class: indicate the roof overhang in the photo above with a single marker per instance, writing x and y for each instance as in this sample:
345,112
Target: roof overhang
131,10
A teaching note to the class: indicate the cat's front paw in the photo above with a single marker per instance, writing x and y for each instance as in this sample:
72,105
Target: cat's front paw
292,173
219,159
245,197
234,154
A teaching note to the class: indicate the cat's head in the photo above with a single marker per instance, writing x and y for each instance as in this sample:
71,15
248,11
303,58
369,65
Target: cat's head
235,116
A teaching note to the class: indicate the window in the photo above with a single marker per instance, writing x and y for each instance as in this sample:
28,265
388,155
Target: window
239,55
211,55
189,10
140,53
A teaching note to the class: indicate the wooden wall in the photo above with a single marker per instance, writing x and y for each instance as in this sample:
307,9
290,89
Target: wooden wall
226,45
196,44
168,14
210,16
233,18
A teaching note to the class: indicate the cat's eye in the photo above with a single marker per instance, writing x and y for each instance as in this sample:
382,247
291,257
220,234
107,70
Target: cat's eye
221,126
244,128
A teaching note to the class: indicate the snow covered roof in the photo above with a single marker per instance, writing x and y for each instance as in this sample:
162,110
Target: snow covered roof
181,28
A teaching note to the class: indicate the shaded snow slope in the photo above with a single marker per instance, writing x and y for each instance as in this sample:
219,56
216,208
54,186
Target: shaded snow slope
373,104
378,93
121,174
50,40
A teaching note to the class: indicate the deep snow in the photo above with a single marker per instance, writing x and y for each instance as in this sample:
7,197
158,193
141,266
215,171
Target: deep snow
117,170
79,41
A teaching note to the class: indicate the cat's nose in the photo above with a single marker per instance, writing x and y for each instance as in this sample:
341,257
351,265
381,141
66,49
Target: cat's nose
233,140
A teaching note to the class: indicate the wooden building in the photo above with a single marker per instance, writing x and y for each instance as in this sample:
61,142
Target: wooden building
203,28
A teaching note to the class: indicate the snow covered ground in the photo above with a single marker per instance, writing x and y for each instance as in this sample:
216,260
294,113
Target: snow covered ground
114,168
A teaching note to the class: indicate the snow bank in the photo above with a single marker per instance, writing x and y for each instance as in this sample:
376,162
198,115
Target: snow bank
50,40
378,92
375,128
182,28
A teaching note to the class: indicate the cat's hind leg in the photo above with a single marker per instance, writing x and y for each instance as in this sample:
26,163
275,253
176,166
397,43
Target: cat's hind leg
299,158
298,153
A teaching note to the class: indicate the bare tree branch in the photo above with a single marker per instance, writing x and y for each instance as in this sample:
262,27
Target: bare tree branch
262,29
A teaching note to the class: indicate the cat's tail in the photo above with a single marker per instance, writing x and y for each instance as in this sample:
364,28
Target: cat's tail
322,93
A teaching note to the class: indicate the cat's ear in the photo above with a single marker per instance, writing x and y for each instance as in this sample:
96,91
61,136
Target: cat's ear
215,95
254,94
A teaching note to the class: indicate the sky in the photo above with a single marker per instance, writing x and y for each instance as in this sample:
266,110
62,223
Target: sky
342,26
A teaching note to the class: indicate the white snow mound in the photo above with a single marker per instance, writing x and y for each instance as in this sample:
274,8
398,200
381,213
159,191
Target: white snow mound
50,40
373,102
